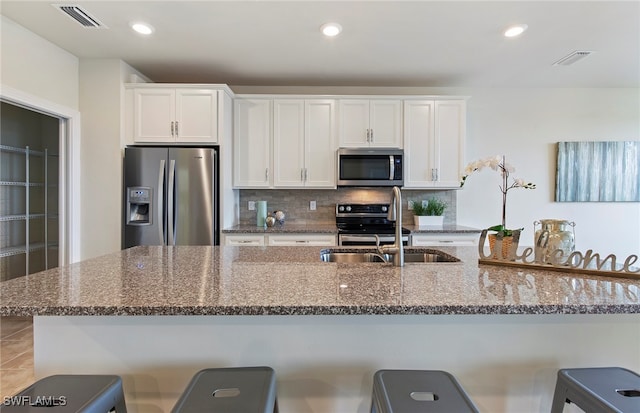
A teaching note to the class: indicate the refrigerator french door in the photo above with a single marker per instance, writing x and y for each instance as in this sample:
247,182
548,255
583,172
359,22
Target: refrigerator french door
170,196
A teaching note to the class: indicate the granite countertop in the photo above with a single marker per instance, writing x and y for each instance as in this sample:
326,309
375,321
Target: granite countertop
283,229
460,229
225,280
330,228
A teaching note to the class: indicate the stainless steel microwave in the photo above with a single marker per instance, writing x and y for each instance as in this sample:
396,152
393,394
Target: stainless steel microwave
370,167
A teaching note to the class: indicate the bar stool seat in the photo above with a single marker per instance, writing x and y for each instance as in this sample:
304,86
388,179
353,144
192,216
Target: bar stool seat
69,393
425,391
601,390
230,390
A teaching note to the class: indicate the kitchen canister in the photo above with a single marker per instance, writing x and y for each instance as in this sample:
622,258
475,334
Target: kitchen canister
261,213
553,234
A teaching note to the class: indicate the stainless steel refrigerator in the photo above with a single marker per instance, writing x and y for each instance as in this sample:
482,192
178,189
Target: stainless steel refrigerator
170,196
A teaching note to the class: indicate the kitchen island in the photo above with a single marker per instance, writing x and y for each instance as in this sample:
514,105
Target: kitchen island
157,315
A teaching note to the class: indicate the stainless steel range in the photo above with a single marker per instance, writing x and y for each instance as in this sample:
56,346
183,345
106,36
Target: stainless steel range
358,224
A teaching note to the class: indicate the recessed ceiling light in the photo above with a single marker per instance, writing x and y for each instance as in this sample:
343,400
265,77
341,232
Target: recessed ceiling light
515,31
331,29
142,28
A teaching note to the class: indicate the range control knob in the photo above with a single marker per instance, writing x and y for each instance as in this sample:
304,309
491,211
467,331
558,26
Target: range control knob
348,208
384,209
341,208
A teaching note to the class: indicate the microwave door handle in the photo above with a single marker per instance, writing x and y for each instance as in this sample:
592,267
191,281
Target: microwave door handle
391,168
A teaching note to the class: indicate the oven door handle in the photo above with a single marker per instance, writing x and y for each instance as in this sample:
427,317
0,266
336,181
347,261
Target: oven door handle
366,238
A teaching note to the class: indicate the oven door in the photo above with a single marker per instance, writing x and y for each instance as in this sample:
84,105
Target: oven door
369,239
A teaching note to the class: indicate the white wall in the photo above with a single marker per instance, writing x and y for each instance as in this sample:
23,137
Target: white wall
524,125
35,66
101,100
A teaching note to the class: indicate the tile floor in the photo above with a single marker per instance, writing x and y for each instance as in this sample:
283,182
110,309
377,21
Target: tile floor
16,354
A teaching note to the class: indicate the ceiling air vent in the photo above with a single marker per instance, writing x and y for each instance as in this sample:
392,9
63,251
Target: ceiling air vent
572,57
80,16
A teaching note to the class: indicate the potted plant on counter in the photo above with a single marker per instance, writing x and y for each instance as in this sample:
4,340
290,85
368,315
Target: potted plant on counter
429,213
498,164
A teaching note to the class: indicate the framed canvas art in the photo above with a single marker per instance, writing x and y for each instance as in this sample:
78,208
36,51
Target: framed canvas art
598,172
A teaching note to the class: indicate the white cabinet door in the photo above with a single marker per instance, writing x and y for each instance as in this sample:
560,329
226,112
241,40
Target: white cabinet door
385,122
196,115
175,115
288,143
154,115
434,134
252,143
449,137
302,240
354,123
304,143
375,123
418,143
320,143
244,239
445,239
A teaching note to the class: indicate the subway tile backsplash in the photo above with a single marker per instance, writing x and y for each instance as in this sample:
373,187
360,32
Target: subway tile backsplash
295,202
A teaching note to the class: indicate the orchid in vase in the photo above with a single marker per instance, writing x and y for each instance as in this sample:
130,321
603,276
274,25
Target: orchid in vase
498,163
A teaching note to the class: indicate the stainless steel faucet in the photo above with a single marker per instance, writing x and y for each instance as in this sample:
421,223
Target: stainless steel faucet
395,214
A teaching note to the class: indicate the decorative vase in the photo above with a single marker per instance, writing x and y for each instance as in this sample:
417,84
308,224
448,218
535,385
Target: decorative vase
428,220
554,234
507,242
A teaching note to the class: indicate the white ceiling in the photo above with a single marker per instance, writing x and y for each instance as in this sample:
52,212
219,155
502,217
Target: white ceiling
384,43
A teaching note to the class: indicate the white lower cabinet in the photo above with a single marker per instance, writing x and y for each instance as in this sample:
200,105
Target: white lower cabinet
302,240
445,239
289,239
243,239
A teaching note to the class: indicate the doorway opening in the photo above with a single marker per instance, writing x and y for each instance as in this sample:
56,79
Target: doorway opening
31,169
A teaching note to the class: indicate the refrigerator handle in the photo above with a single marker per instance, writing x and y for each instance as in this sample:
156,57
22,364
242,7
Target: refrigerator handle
170,199
159,208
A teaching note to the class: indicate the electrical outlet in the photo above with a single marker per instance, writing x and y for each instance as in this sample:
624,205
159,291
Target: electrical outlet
312,205
410,204
425,203
252,205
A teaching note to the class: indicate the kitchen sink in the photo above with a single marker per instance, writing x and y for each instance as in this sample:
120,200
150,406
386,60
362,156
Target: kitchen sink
352,257
410,256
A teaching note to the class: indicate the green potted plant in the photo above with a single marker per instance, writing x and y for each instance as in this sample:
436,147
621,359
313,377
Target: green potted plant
429,213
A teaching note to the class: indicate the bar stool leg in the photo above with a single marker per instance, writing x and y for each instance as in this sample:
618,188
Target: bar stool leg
559,397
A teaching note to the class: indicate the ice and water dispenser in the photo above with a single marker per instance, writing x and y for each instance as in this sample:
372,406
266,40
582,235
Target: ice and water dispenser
139,205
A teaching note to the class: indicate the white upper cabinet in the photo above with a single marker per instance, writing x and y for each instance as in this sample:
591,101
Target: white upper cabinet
175,115
304,143
252,143
370,123
434,135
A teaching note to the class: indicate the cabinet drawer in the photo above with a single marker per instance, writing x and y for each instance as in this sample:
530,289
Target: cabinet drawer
245,240
444,240
302,240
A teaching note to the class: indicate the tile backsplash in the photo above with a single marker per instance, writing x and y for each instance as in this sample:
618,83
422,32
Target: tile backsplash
295,202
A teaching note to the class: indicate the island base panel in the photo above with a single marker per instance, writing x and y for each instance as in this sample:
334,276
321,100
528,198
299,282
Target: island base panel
325,364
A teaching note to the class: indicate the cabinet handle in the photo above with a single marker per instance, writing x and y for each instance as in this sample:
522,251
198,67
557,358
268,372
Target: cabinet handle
302,174
172,129
266,174
368,135
371,135
305,174
302,242
177,129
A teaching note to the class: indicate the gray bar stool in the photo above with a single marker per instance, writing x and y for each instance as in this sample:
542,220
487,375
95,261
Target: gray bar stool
601,390
230,390
70,393
426,391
